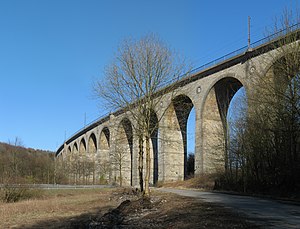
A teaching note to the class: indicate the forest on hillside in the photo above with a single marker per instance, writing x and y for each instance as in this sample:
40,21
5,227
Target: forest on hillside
19,165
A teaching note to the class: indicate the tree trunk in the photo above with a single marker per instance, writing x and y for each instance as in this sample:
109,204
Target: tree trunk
94,175
141,159
120,170
148,165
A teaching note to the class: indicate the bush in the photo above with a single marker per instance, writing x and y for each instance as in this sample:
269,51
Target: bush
103,180
14,193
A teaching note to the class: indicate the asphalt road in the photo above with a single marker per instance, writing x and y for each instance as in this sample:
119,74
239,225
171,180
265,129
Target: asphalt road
263,212
61,186
58,186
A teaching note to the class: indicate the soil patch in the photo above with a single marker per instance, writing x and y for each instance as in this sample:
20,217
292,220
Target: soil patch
165,210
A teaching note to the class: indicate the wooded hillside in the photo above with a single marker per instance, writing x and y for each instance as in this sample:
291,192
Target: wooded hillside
25,165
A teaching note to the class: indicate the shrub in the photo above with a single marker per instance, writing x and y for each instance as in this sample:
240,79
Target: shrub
14,193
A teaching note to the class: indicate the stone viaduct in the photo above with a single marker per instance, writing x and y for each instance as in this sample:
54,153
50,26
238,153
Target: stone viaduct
209,90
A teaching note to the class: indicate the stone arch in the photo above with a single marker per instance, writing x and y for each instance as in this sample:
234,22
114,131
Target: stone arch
123,155
183,106
75,151
268,78
69,153
214,123
75,148
92,144
154,127
277,55
91,158
75,162
103,156
278,72
174,139
82,161
82,147
154,151
104,139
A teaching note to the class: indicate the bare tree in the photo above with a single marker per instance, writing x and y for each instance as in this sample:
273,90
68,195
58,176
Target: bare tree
266,140
104,170
132,81
119,159
16,160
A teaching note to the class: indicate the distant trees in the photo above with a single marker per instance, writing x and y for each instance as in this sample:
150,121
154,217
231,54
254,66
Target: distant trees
22,165
73,168
190,165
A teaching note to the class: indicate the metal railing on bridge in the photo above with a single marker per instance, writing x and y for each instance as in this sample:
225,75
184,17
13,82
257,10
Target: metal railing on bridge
242,50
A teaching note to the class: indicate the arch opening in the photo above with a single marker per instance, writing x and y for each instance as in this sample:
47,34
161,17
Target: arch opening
265,151
236,124
174,139
215,127
69,152
75,168
154,140
68,164
82,162
183,106
191,141
82,147
91,159
92,144
104,139
103,156
75,148
123,155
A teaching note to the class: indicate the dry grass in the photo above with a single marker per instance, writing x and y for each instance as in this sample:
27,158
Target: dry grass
56,204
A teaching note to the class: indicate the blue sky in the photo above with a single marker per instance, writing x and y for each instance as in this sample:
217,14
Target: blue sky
51,51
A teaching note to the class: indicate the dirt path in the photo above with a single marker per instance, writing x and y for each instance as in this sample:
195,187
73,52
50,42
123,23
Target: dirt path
264,212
